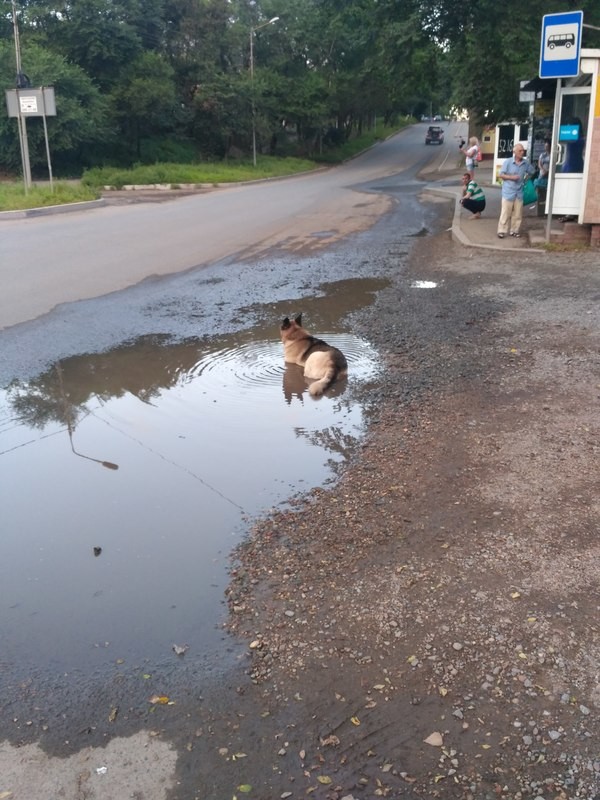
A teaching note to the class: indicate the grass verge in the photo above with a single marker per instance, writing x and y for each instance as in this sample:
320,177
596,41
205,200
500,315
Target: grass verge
181,174
14,198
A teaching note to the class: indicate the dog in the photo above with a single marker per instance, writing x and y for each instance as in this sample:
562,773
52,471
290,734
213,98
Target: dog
323,364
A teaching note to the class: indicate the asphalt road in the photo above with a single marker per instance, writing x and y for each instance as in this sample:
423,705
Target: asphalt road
54,259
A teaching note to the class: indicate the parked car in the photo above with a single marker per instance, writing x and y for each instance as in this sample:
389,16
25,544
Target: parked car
434,135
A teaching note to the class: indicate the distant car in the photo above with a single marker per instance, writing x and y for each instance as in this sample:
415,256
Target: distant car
434,135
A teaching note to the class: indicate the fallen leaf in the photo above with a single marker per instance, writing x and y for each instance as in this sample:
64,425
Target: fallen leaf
245,788
443,691
412,660
324,779
355,720
3,795
435,739
113,714
408,778
180,649
515,595
239,755
160,699
302,754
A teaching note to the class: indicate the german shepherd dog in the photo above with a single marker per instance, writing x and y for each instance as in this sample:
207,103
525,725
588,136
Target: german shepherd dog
323,364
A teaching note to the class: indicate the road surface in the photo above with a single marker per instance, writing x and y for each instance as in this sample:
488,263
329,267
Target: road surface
48,260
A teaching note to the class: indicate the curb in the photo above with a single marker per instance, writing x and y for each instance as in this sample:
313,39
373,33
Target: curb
457,232
43,211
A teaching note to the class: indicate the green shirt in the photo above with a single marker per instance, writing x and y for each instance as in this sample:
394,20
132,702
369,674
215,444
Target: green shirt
475,191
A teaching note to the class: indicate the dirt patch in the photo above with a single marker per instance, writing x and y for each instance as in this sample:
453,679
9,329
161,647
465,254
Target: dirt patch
91,774
448,584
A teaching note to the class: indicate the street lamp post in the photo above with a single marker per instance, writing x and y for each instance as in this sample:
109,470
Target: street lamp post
252,31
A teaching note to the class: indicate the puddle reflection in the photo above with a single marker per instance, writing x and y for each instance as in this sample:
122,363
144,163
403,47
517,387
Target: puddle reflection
152,454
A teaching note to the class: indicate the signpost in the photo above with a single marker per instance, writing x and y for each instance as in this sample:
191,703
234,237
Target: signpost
560,50
29,102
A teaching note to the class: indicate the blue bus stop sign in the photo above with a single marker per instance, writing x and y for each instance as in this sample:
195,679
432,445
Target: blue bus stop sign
561,45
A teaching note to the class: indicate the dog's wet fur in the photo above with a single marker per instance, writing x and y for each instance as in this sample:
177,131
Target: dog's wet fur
323,364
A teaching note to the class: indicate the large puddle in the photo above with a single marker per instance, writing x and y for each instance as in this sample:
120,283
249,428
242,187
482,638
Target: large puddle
128,477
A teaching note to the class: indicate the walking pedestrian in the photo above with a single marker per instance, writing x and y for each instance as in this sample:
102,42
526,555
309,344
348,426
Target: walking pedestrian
513,174
473,198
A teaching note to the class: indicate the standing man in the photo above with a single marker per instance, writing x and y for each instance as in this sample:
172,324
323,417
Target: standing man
513,174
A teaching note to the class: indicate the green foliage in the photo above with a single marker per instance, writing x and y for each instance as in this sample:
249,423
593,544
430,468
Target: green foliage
145,104
134,73
80,123
13,195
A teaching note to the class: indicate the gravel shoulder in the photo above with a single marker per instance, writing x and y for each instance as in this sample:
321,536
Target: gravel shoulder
431,623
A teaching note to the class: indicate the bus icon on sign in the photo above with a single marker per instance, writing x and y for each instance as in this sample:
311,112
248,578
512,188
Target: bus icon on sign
561,40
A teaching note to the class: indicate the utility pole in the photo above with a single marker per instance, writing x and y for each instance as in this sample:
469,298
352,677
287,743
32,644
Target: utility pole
252,30
22,82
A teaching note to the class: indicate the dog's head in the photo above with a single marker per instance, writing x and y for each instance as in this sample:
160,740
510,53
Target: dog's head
289,326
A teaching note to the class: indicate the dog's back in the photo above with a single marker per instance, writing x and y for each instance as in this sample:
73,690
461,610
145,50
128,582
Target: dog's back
322,362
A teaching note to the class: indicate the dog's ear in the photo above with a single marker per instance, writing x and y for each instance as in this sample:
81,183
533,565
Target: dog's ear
285,323
298,319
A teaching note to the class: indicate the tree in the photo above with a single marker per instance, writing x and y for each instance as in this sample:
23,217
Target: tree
81,121
144,101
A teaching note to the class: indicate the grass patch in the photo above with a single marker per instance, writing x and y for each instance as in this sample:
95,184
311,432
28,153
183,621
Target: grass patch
561,247
13,197
218,172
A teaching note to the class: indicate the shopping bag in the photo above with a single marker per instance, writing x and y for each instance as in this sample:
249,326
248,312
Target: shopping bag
529,193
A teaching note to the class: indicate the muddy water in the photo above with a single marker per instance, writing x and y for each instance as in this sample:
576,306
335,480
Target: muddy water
129,475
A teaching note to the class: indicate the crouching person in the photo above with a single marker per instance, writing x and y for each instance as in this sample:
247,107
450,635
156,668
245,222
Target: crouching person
473,198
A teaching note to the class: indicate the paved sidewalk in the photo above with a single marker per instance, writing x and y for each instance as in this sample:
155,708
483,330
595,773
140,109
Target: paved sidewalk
483,232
